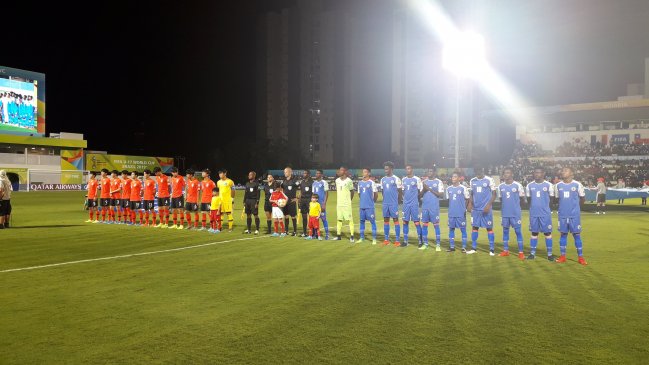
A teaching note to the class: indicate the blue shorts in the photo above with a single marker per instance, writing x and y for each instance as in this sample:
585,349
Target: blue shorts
541,224
481,220
367,214
570,225
510,222
456,222
411,213
429,216
390,211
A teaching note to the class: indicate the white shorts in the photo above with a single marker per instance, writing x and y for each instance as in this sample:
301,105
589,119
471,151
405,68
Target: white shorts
277,213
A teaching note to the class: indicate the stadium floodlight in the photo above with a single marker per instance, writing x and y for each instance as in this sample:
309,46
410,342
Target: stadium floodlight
464,54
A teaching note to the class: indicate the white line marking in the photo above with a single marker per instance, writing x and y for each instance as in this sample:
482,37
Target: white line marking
126,256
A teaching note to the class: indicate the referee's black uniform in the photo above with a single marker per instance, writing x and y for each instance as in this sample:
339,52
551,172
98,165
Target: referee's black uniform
268,191
268,207
251,198
306,191
290,210
251,203
290,189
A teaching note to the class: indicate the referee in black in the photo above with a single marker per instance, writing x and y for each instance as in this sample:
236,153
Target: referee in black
251,202
306,186
290,186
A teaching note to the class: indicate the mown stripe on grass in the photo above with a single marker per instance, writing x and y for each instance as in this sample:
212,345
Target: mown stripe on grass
125,256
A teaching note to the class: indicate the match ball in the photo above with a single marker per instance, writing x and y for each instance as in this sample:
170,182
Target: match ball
281,203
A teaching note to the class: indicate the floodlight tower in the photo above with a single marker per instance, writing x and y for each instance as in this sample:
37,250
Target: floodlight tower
464,56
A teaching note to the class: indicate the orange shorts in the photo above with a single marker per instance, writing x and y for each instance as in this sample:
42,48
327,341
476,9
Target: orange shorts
314,222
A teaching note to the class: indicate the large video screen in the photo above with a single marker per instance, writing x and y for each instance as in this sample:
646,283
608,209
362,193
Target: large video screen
22,101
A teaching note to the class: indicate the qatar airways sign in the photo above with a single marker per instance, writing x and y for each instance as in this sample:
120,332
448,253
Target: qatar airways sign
57,187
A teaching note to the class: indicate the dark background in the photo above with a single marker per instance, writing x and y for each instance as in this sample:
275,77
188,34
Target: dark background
178,78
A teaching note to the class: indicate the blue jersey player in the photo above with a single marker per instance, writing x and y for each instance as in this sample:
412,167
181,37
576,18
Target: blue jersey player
391,191
458,199
367,193
483,194
321,188
433,191
571,196
539,193
412,186
511,195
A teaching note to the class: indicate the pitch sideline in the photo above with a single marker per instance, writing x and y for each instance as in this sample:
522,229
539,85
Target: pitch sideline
126,256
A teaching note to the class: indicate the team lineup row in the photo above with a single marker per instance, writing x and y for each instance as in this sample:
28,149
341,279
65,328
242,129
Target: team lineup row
419,200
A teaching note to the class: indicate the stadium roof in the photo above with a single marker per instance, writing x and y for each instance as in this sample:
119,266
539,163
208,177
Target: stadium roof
598,111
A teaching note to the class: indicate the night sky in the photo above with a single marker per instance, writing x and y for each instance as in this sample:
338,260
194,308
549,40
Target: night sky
178,78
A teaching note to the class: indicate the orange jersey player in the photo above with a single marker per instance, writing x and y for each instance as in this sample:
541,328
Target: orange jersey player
163,196
93,185
136,192
177,198
149,196
207,185
115,187
135,198
191,203
126,186
115,196
104,198
126,196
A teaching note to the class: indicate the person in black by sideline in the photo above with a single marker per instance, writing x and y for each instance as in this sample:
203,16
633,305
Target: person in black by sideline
5,199
251,202
268,207
290,186
306,191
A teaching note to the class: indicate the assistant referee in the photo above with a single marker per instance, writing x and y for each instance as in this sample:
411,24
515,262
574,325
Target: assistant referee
306,191
251,202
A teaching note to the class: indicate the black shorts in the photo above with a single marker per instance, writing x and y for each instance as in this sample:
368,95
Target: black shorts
135,204
126,203
148,204
92,203
251,207
268,207
115,202
191,207
5,207
177,203
163,202
205,207
304,206
601,198
290,209
105,202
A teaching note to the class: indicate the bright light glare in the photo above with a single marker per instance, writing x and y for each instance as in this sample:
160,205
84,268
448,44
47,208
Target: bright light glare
464,54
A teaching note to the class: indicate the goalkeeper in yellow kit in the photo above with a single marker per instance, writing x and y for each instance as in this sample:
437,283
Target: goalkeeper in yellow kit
226,189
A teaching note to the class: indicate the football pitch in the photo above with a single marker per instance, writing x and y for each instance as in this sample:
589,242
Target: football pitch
127,295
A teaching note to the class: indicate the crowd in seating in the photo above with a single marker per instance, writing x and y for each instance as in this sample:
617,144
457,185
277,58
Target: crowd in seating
634,172
579,148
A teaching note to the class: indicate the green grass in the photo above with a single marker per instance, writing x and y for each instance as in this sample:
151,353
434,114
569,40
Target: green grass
291,301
